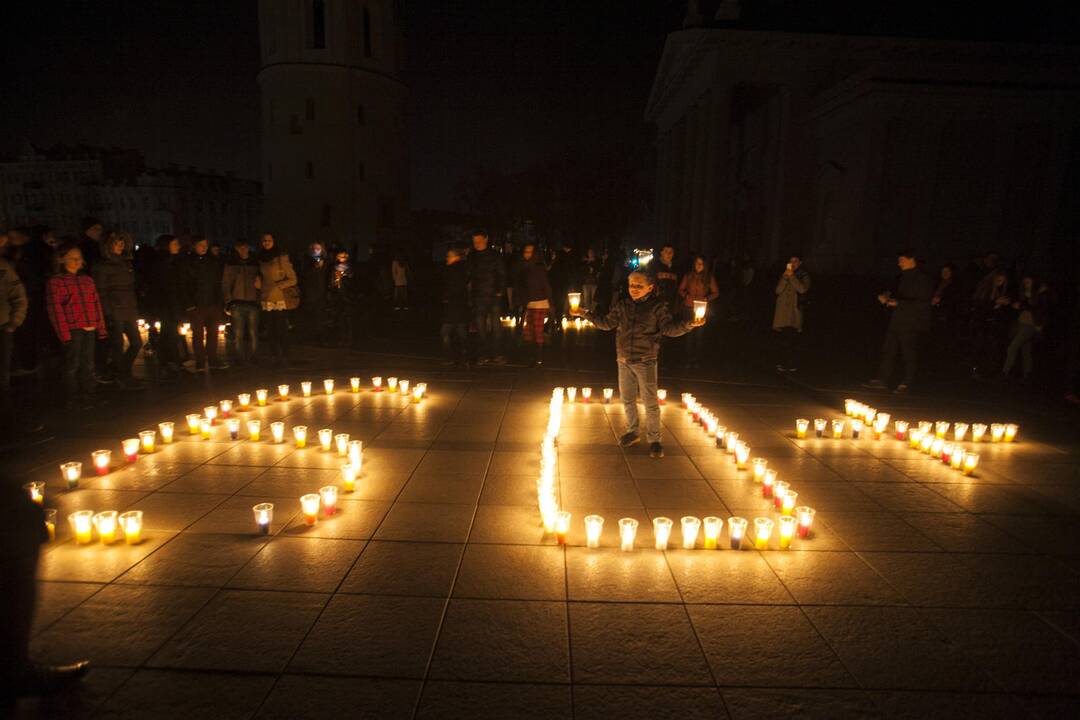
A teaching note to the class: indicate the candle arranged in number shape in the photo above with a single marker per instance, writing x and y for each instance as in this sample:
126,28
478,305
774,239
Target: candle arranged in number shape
193,421
403,386
261,396
300,435
761,466
586,394
780,489
800,427
166,431
226,408
234,428
768,481
130,446
806,519
72,472
210,412
254,428
341,440
354,384
960,431
627,533
978,431
277,430
690,528
662,532
376,384
102,461
245,400
736,531
971,461
838,429
594,526
82,524
787,504
356,450
148,440
762,532
305,388
205,428
264,515
712,526
562,526
348,477
391,384
105,523
283,392
901,428
131,522
326,439
1010,432
309,505
788,525
328,494
661,396
571,394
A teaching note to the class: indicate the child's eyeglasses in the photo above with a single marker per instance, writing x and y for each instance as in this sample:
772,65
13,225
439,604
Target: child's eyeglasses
638,286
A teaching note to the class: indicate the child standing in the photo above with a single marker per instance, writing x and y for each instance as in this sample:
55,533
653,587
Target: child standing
455,300
76,316
639,321
534,291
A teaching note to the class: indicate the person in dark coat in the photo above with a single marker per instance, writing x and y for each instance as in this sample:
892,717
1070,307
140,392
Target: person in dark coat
114,275
565,276
314,277
487,281
947,318
639,321
910,320
662,267
342,298
203,303
455,302
91,234
534,292
167,299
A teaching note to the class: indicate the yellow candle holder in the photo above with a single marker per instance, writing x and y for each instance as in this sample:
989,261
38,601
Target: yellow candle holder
594,526
131,522
1010,432
787,503
941,428
348,477
206,427
300,435
997,432
254,428
788,525
36,491
971,461
838,429
193,421
574,299
354,384
800,427
760,465
391,385
261,396
627,533
712,526
700,306
166,430
82,525
762,532
956,461
328,386
926,444
978,432
50,523
105,523
148,440
742,453
417,394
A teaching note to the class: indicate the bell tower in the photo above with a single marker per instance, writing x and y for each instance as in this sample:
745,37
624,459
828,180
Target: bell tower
334,158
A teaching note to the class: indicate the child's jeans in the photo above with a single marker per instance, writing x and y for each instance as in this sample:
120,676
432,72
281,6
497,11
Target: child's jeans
635,378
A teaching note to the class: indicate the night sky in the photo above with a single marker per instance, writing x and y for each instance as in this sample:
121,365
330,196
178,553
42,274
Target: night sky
497,84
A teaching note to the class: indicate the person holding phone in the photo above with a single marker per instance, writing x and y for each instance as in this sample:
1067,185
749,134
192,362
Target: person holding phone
791,292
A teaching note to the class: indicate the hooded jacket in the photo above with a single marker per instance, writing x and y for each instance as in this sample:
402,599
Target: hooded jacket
114,276
638,326
238,280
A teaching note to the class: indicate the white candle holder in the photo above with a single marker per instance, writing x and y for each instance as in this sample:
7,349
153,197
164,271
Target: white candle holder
662,532
71,472
329,495
690,528
305,388
627,533
264,515
326,439
594,526
131,522
328,386
277,431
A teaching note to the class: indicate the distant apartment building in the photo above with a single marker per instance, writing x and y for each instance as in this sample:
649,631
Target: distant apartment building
59,186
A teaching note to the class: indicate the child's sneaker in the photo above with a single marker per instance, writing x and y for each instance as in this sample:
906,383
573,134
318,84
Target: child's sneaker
656,450
629,439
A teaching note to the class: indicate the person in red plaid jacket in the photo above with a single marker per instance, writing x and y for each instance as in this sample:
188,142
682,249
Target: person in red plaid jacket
76,316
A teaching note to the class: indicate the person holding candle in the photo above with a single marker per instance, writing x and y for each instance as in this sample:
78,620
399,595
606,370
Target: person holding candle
640,320
791,290
342,298
76,315
910,319
21,535
533,289
697,285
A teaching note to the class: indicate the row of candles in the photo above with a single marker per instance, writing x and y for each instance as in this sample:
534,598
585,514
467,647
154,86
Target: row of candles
998,432
794,520
84,522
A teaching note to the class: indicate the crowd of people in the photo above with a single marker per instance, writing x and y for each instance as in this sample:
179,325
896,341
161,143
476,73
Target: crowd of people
76,302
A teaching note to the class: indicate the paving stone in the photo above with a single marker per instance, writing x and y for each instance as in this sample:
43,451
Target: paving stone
509,489
453,489
513,572
145,476
667,468
300,564
298,696
672,493
235,515
55,599
243,630
962,532
173,512
369,635
187,696
635,643
917,657
878,531
777,646
599,702
494,701
426,522
969,706
120,625
354,520
726,576
404,568
505,640
833,578
805,704
610,574
936,579
223,479
195,559
510,524
81,701
97,562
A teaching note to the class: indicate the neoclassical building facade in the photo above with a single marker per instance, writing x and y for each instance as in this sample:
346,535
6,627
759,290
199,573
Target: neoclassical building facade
846,148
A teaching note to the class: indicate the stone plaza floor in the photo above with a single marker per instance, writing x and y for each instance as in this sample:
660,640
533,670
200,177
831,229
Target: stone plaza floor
433,592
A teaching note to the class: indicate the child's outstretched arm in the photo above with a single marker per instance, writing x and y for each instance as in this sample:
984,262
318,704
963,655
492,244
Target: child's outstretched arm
606,322
671,326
